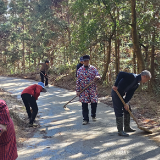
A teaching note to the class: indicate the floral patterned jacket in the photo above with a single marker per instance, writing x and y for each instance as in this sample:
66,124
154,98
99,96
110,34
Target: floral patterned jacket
84,77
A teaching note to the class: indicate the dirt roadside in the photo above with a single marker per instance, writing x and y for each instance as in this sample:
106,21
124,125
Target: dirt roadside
19,117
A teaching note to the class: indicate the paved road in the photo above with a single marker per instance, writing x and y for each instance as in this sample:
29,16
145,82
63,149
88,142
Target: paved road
63,137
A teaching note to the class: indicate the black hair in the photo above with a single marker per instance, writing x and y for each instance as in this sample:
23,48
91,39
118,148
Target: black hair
86,57
47,61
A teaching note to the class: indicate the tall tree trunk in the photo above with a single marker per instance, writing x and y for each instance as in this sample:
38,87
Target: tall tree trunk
118,51
107,60
117,56
68,20
23,61
38,60
14,67
104,50
90,50
135,39
117,45
4,59
51,60
23,50
64,52
34,62
134,62
152,59
29,57
18,66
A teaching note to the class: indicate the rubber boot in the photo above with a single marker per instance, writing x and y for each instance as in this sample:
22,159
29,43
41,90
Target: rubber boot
127,123
119,121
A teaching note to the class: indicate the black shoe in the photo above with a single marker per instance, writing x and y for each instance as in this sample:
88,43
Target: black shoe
32,125
122,133
128,129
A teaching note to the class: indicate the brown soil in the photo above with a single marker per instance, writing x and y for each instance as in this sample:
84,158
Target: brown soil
16,107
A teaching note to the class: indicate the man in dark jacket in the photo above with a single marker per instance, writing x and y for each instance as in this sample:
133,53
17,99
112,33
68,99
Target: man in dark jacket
29,97
79,65
126,84
44,72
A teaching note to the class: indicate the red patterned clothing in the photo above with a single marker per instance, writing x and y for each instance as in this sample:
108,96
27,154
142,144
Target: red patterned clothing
8,147
84,77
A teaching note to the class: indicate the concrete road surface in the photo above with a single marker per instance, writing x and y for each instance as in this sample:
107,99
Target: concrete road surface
62,136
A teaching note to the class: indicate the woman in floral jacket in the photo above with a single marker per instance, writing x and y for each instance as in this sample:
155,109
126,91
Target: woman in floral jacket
86,74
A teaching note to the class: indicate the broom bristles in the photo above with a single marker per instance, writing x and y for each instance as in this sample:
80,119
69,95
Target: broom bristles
145,129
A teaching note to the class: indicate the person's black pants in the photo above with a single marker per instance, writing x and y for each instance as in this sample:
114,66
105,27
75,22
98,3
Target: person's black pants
42,78
85,111
118,105
30,101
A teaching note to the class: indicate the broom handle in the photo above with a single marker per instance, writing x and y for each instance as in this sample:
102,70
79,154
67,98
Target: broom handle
80,93
86,87
44,75
128,108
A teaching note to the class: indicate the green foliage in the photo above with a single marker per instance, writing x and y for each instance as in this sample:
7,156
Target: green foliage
64,69
62,30
3,7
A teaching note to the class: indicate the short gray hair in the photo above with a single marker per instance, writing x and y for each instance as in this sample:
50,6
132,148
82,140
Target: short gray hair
146,73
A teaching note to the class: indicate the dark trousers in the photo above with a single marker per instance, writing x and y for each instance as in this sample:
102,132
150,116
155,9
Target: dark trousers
85,111
118,105
42,78
30,101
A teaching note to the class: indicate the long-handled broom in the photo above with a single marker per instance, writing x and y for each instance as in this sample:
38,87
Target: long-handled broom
141,128
77,96
44,75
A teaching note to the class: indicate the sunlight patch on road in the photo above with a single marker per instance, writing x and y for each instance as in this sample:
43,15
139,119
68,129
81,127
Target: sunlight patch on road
78,155
60,126
67,94
62,145
89,137
30,151
62,121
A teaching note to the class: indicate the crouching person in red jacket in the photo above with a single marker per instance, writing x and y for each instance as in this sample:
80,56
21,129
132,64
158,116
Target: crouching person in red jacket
29,97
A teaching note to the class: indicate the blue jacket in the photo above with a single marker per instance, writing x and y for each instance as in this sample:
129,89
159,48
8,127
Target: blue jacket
127,83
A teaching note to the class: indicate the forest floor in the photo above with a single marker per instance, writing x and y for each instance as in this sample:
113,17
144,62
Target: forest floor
145,106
